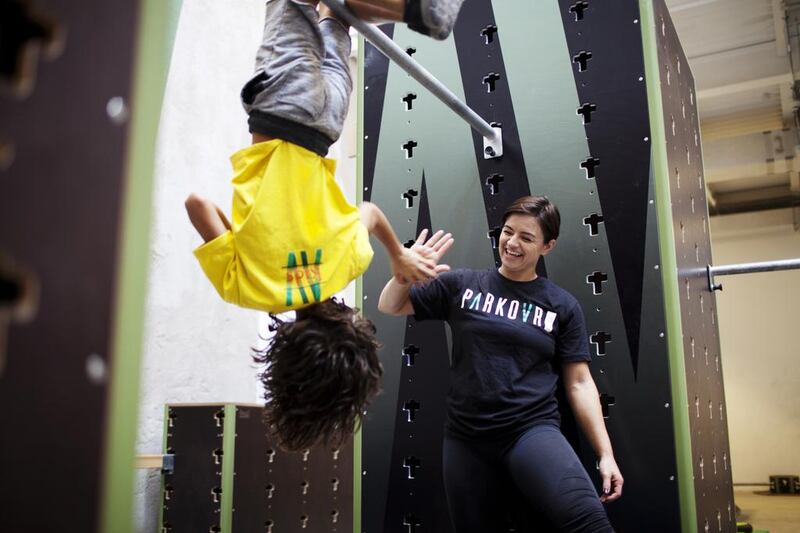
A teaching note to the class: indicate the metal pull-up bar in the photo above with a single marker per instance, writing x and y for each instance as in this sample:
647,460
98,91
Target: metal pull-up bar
492,135
748,268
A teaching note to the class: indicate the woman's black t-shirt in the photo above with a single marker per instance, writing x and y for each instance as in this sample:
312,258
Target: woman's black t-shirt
507,335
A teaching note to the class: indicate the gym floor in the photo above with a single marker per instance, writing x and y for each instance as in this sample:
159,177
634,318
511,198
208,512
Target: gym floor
776,514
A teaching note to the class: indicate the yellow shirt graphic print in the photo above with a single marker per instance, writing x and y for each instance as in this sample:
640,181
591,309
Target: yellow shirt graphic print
294,238
303,278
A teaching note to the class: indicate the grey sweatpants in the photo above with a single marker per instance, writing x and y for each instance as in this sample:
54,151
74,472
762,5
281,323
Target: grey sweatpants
302,73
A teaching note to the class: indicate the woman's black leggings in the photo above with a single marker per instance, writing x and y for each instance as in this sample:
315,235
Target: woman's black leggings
545,470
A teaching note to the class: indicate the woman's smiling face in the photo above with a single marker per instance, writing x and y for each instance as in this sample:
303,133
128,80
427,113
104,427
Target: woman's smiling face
521,245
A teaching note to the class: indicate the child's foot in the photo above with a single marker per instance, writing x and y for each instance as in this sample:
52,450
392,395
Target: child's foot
433,17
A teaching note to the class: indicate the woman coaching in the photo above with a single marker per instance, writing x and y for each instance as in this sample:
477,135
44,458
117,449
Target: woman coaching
513,333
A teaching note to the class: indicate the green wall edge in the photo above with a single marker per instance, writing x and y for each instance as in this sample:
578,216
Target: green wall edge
156,31
669,269
360,281
228,461
163,451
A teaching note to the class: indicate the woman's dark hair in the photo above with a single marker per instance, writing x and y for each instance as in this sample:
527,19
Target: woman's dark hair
321,371
540,208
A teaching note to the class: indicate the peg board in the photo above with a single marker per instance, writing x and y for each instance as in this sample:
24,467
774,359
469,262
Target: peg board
705,395
80,97
230,477
568,82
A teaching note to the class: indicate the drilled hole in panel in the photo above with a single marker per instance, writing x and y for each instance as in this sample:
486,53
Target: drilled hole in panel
410,353
409,196
590,165
494,236
582,60
408,101
408,148
579,9
586,111
600,340
410,408
28,34
606,401
490,80
488,33
593,221
596,280
411,464
493,182
411,522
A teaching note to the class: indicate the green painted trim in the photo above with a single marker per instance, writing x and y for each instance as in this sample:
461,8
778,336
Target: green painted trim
163,451
669,269
360,280
155,36
228,449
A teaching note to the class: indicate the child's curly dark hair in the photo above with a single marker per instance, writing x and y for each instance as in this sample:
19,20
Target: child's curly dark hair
321,371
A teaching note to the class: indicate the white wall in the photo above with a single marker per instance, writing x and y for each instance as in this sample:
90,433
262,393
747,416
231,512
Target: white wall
759,327
196,347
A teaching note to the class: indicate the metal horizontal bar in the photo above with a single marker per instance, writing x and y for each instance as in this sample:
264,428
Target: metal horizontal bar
747,268
391,50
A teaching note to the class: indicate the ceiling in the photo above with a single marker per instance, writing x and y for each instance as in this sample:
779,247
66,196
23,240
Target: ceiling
740,55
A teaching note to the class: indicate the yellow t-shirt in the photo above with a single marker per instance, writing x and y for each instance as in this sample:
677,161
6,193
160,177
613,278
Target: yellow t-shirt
294,238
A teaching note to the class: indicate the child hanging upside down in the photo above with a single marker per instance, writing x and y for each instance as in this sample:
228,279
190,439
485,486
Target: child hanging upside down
293,240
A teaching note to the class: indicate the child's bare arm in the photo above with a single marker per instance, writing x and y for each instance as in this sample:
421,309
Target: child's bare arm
408,265
208,219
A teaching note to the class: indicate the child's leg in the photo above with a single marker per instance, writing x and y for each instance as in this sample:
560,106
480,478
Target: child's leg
206,217
429,17
335,71
378,10
286,97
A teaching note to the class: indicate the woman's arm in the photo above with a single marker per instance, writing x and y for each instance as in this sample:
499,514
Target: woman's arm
395,299
585,401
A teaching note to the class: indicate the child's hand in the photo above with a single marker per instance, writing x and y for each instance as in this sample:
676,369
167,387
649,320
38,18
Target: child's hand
432,250
414,265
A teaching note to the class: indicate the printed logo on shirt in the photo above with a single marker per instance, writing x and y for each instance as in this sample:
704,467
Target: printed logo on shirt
510,309
303,278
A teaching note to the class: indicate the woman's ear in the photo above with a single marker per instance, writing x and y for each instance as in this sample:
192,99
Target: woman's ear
548,247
